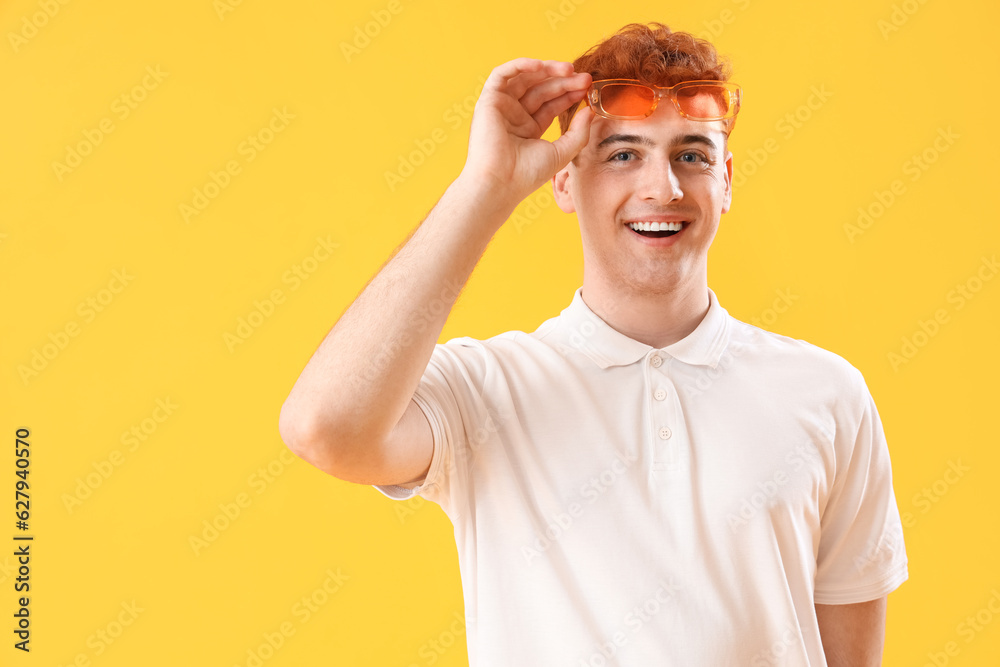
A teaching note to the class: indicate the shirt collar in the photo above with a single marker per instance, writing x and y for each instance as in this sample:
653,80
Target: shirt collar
581,329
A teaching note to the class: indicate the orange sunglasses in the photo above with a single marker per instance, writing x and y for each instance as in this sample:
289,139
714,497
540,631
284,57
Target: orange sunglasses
629,99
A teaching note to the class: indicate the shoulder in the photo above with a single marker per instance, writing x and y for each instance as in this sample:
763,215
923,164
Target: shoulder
499,344
500,349
794,358
504,358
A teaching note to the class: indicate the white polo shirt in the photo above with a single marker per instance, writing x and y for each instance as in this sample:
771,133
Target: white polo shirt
617,504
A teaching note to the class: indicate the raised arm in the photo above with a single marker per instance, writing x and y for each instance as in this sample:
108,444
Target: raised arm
350,413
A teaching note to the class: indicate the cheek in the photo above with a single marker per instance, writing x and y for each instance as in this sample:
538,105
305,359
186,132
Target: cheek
710,184
599,196
719,177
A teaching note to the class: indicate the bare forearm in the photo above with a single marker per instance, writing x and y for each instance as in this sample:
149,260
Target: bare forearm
853,635
359,381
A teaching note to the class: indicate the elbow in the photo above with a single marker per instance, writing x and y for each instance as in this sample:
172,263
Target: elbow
290,427
318,447
298,433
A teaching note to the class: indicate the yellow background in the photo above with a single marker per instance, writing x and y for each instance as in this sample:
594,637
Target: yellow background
895,76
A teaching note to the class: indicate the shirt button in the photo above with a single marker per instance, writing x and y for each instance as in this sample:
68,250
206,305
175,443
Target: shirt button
656,360
664,433
659,394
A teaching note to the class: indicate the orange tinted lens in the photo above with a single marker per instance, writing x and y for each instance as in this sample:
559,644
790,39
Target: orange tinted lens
625,99
704,101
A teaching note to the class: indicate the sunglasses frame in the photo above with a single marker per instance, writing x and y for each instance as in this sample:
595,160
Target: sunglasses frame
735,98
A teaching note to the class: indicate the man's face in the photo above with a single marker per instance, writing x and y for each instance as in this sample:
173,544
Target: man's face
664,168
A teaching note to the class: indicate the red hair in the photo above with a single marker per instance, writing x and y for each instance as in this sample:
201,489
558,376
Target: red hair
652,54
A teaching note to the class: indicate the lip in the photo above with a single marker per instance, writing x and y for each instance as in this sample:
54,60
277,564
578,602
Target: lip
663,242
659,218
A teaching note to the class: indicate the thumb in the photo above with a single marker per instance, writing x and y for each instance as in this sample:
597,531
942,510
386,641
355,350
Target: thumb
576,137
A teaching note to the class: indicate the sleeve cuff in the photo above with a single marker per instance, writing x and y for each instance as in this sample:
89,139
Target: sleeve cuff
401,492
398,492
891,582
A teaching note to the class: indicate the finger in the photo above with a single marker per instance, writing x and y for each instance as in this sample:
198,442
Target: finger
518,75
551,69
570,144
548,111
517,120
552,88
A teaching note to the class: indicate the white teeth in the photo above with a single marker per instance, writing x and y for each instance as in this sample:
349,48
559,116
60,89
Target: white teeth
656,226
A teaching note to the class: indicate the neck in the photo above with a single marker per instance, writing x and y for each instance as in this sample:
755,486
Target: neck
656,318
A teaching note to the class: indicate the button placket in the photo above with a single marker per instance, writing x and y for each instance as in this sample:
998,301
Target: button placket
663,455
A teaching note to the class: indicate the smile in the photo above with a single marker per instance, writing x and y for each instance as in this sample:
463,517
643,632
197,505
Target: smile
656,229
656,232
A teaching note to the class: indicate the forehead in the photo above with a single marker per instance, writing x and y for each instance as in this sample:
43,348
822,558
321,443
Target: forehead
665,127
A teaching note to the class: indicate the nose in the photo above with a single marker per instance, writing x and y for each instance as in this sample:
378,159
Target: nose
659,183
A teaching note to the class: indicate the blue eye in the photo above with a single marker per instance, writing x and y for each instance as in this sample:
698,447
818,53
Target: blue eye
696,157
616,156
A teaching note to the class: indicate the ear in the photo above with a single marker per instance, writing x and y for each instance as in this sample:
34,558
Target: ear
561,190
728,196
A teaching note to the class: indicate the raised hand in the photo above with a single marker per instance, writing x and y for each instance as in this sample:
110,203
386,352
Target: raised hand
507,157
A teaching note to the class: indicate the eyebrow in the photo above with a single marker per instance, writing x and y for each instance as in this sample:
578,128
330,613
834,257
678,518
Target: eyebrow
646,141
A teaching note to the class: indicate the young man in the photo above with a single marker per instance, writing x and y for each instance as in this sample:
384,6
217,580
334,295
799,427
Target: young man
644,479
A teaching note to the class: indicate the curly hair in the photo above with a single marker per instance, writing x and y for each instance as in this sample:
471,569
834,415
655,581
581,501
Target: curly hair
653,54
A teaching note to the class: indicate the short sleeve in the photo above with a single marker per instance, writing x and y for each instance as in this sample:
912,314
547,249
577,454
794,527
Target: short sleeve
861,555
450,394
